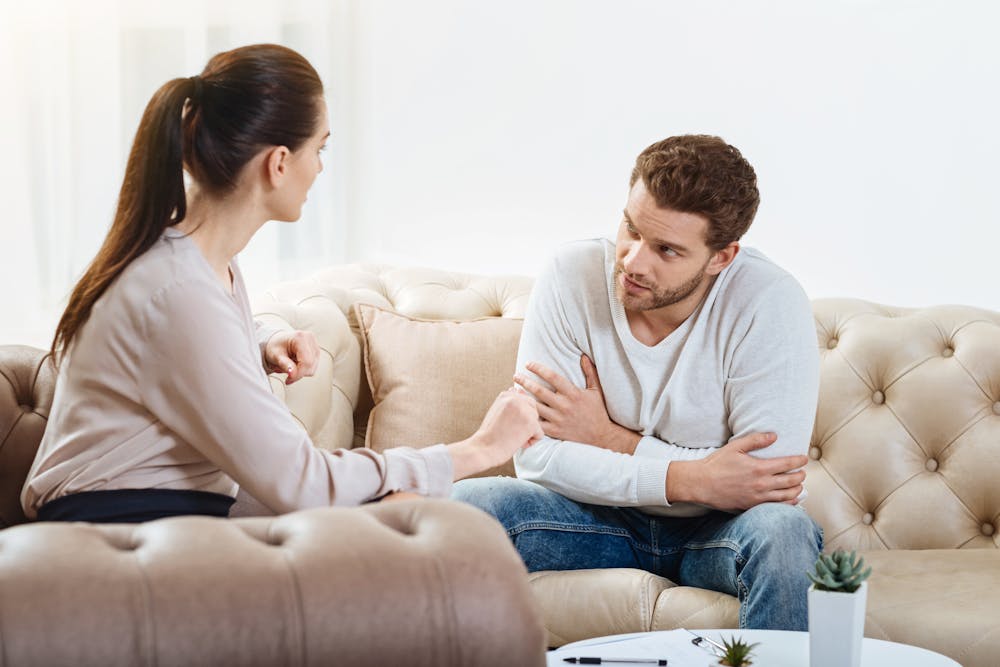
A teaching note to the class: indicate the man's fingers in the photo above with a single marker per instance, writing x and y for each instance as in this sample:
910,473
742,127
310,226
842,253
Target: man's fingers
749,443
589,372
789,480
541,394
560,383
784,464
546,413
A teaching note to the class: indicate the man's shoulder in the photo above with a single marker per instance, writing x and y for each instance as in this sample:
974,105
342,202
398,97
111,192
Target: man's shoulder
583,256
754,282
580,268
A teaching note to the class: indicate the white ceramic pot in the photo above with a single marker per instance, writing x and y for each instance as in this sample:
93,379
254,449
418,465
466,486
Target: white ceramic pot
836,627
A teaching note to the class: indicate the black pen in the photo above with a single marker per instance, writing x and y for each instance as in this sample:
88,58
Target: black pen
627,661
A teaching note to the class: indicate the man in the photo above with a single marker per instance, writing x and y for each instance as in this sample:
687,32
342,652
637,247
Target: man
676,375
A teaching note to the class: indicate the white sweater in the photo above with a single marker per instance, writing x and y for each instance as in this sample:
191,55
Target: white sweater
745,361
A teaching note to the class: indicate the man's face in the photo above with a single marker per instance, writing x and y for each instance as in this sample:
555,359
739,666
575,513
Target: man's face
661,257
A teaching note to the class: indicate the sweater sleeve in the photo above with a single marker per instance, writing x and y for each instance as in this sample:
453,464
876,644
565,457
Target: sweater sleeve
773,378
203,384
582,472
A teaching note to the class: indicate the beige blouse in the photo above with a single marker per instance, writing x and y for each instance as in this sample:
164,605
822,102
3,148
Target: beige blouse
164,387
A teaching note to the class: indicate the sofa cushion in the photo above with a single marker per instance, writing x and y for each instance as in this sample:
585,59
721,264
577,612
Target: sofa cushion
580,604
433,380
940,599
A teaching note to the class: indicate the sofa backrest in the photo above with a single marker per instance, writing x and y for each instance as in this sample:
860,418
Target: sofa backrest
905,452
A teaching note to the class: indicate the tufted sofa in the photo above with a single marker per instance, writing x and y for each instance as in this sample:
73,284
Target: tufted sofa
904,458
384,584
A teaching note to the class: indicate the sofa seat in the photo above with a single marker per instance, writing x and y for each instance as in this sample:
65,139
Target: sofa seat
940,599
945,600
579,604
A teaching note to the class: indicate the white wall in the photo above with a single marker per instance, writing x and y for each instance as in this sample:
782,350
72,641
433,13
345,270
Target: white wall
490,132
477,136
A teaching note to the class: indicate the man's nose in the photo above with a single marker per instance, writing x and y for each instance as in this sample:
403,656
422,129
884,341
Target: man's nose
634,262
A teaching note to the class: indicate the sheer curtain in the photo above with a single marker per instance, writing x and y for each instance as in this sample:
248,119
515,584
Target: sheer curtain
76,79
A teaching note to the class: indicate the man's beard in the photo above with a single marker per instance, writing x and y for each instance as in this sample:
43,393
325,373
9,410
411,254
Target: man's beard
656,297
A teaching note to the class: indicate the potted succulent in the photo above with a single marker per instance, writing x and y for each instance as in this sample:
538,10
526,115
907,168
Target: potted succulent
837,602
736,653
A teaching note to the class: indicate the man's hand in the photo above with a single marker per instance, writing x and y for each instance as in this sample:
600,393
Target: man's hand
732,479
295,353
579,415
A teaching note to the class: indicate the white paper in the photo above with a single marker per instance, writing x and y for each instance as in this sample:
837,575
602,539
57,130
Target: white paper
672,645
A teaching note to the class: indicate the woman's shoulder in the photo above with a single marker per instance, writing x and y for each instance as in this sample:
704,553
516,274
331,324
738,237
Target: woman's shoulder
170,277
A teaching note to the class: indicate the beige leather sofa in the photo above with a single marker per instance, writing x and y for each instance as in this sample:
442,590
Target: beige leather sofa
905,455
398,583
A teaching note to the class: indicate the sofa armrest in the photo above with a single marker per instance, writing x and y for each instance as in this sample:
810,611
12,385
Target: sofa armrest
27,383
430,582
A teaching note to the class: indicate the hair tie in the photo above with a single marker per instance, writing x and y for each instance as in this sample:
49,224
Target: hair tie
196,81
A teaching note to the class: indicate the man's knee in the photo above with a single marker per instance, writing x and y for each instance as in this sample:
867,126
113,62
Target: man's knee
507,498
786,527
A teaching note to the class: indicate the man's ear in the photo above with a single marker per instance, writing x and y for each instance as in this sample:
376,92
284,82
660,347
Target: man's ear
276,165
722,258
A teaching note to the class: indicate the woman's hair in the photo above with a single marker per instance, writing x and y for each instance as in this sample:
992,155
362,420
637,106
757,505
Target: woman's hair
213,124
697,173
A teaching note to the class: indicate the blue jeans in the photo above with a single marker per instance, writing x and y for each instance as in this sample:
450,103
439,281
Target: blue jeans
760,556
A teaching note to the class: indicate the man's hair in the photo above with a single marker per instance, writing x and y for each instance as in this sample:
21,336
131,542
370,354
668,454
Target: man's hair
702,174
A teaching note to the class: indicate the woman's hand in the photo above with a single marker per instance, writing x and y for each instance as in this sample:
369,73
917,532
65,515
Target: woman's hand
510,424
295,353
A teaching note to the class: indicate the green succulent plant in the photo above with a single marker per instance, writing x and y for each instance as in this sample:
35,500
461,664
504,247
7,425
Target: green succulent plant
840,572
736,653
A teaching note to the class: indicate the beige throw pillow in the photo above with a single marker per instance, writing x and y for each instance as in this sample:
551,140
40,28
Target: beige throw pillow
433,380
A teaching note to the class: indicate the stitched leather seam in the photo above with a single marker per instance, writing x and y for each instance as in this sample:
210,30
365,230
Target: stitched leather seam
299,607
151,656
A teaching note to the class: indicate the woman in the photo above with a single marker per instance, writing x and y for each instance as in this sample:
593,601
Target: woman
162,405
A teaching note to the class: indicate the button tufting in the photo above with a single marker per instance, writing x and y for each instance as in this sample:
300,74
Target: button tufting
832,343
878,398
26,408
948,351
867,519
814,453
987,529
931,465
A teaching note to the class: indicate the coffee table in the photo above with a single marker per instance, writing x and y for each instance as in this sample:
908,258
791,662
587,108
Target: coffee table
777,648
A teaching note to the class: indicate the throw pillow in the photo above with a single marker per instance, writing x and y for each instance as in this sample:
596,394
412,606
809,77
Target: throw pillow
433,380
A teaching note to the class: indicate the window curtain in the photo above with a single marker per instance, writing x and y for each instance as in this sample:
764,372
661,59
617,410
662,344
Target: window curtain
75,81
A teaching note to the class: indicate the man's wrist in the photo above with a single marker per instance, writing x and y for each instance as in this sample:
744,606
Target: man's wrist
678,486
621,439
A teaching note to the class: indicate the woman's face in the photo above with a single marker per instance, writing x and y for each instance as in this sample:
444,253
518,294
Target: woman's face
304,166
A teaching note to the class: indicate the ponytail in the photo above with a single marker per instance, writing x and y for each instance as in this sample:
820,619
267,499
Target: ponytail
151,199
212,125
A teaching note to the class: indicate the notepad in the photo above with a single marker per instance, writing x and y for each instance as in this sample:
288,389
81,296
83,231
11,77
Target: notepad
674,645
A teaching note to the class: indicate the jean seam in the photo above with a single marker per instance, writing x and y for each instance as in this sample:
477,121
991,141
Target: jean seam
579,528
742,592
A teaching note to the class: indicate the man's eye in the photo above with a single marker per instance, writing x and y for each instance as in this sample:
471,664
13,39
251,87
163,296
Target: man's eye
631,230
667,250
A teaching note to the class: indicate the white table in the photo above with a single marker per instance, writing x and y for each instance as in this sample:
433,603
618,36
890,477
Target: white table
777,649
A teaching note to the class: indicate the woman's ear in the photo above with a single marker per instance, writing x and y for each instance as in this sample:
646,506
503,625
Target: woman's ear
276,165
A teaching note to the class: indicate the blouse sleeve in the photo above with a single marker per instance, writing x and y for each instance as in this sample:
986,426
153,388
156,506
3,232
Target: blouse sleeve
202,382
